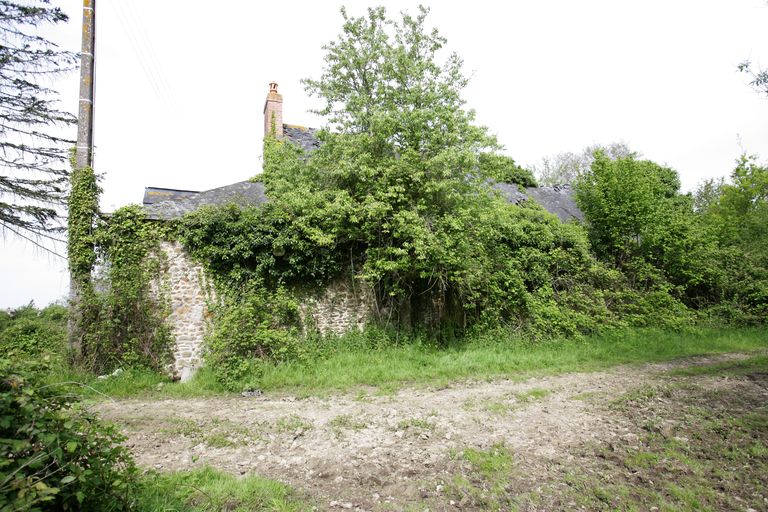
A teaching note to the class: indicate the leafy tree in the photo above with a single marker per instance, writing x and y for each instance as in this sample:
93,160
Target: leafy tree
736,214
624,202
403,149
566,168
638,221
707,194
503,169
759,78
33,156
740,212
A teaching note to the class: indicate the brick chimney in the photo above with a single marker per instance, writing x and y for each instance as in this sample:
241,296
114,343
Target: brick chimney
273,112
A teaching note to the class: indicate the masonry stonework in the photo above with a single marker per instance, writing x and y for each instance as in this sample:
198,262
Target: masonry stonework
341,306
186,289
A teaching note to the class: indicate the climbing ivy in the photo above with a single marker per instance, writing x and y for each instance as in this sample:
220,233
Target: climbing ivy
83,205
128,325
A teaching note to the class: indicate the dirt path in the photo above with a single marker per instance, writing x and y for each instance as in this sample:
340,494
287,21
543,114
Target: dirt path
365,451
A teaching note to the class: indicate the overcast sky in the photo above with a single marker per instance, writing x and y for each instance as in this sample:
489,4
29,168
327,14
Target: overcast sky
180,88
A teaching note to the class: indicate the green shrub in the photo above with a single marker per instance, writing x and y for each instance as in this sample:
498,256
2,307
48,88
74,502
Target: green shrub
250,330
123,317
54,453
27,331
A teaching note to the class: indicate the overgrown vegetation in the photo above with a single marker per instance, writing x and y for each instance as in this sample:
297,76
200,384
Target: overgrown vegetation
29,333
54,453
118,318
126,326
398,199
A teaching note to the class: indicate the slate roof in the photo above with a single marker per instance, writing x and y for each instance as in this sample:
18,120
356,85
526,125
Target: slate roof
305,138
244,193
168,204
556,199
154,195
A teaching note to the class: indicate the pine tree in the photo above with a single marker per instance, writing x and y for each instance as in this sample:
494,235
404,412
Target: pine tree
33,152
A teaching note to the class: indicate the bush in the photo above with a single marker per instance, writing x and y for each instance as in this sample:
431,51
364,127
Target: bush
249,331
54,453
27,331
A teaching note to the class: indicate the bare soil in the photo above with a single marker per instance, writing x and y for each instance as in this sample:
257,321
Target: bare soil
406,451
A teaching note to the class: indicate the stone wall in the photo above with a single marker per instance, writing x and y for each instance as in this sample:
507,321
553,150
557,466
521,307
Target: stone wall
185,286
341,306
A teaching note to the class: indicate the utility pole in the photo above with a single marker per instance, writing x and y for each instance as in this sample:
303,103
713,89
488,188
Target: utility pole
83,161
84,149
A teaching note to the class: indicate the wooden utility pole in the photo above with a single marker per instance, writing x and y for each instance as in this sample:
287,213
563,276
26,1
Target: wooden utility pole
84,149
83,160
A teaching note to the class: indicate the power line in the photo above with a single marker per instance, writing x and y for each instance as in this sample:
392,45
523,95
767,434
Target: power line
154,62
144,61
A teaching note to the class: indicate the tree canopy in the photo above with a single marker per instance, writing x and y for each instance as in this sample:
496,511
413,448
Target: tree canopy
33,153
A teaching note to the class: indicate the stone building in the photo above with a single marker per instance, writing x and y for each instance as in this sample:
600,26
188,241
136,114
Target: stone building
339,307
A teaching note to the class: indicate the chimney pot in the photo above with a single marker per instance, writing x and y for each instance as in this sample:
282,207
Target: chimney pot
273,87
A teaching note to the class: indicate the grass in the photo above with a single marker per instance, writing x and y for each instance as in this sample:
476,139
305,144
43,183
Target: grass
416,424
492,464
388,368
345,422
208,490
292,423
484,482
411,364
214,432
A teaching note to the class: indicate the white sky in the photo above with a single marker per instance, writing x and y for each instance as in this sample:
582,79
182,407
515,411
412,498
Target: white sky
180,88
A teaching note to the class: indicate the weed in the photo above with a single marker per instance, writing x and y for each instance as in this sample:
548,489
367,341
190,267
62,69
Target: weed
216,432
207,489
532,395
492,464
496,407
415,423
344,422
291,424
586,396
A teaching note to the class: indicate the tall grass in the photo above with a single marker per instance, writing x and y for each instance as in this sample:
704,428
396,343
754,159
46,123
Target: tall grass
207,489
367,359
490,356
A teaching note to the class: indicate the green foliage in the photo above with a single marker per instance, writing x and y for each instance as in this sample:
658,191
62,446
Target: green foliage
736,214
398,197
207,489
29,332
625,202
740,213
639,222
124,318
503,169
250,330
83,207
709,250
54,453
